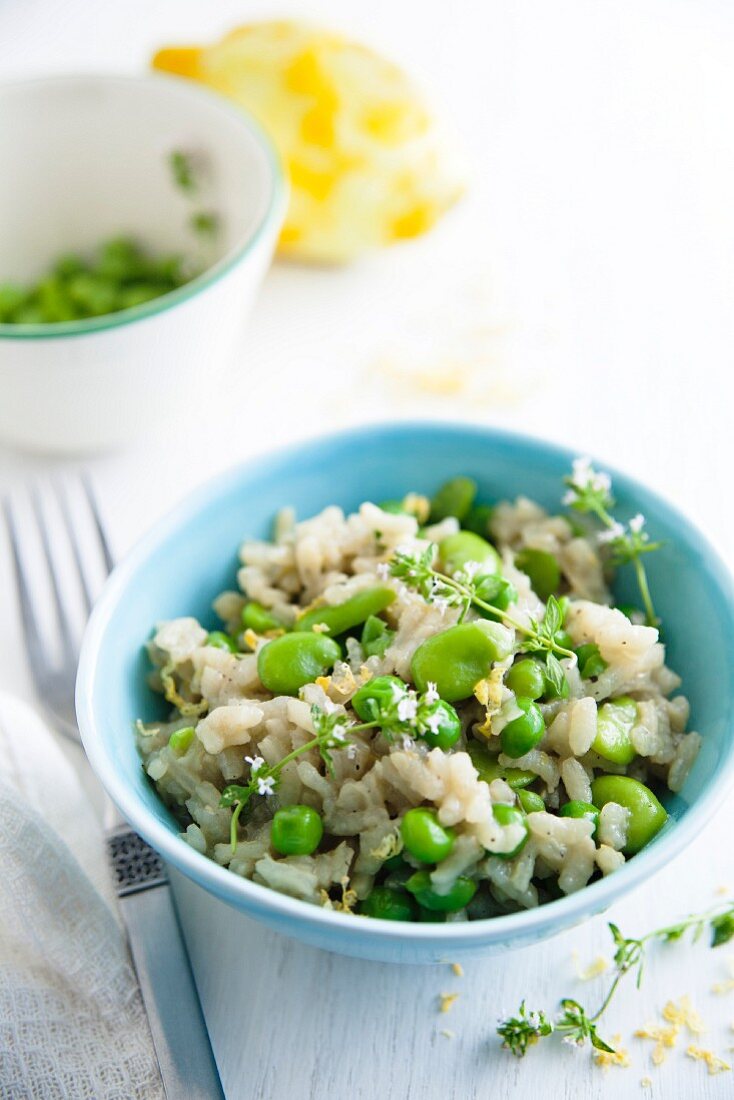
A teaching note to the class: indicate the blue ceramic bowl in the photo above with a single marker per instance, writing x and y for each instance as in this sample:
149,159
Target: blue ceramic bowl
191,555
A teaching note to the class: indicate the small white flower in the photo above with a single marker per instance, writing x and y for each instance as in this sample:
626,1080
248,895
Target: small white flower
266,786
616,531
256,763
584,476
572,1042
637,523
471,569
569,497
383,570
351,750
433,722
339,733
431,693
441,604
407,709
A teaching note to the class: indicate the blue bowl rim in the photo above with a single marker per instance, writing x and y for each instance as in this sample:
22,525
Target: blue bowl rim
524,925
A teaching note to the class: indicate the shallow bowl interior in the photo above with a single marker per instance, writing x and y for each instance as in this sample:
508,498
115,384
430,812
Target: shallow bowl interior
191,555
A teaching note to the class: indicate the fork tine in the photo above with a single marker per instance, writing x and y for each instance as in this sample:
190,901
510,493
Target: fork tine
67,640
31,634
61,496
103,543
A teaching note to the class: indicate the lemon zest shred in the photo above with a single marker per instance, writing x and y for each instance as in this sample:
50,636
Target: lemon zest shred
714,1063
446,1001
684,1014
458,969
597,966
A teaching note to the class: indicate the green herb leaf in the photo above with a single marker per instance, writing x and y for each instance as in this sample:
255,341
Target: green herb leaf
722,929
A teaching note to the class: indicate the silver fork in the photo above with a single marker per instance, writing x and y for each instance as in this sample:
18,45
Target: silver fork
176,1022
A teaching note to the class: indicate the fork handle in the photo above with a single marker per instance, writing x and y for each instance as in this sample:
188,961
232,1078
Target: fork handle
176,1021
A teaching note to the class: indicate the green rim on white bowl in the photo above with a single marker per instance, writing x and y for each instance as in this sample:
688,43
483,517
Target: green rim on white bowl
211,275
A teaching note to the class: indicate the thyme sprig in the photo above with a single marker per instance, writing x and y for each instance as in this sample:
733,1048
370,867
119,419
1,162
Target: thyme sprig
467,589
590,492
573,1021
407,713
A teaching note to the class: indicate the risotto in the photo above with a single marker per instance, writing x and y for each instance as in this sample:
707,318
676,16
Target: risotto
426,709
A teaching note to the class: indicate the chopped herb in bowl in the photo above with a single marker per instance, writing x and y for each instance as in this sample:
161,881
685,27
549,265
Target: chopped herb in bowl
120,274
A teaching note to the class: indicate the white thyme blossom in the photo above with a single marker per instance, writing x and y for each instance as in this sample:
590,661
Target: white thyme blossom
339,733
637,523
441,604
584,476
383,570
611,534
431,693
573,1042
471,569
433,722
266,786
407,709
255,762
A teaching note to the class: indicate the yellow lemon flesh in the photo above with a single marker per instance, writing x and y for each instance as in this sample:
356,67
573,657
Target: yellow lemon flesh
368,164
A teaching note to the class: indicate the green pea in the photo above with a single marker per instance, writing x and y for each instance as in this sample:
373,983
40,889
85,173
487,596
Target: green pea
488,769
376,637
526,678
394,507
564,639
343,616
576,808
563,603
614,722
458,658
376,696
478,519
509,815
139,293
647,816
55,301
424,837
181,739
220,640
258,618
445,725
288,663
458,897
531,802
69,265
542,568
523,733
591,662
296,830
95,294
12,298
453,498
456,551
388,903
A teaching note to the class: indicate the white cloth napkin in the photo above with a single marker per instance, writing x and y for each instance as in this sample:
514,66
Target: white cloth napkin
72,1023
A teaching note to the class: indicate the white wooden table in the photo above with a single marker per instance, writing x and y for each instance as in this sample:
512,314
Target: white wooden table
583,291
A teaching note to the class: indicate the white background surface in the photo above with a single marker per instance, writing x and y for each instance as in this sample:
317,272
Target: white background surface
583,290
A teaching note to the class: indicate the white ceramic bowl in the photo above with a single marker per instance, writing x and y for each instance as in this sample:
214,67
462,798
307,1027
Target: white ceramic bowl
88,159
